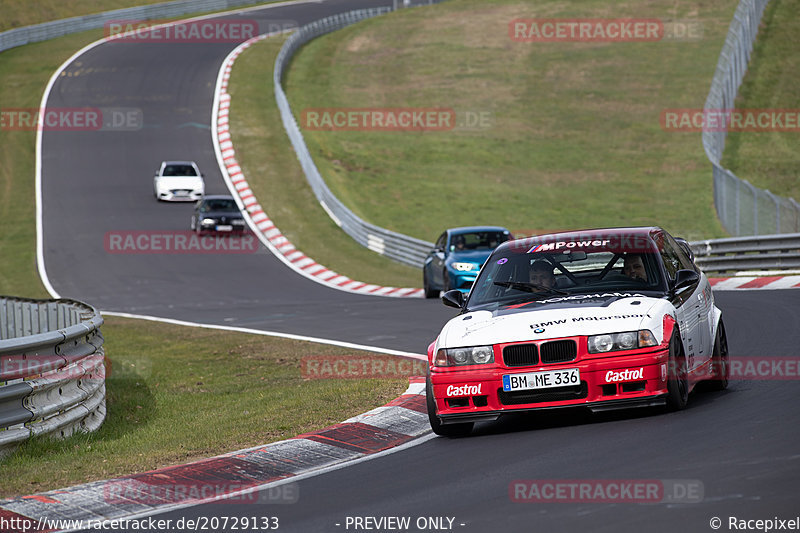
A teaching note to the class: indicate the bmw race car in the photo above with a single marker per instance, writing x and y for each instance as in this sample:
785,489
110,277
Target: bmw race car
457,257
603,319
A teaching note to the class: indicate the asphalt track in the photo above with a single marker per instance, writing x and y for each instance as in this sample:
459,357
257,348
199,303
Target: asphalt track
741,444
94,182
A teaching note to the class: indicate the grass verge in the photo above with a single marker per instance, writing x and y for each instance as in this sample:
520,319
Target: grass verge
275,176
17,13
575,138
181,394
770,160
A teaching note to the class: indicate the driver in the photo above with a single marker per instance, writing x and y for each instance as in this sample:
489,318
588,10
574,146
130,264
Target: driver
633,267
541,273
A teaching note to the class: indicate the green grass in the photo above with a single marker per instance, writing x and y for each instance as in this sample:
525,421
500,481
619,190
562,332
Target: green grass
575,142
176,395
770,160
17,13
274,174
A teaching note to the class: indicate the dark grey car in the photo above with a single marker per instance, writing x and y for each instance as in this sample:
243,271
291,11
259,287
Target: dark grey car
218,213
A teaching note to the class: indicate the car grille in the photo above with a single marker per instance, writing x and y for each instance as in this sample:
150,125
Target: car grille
557,394
520,355
558,351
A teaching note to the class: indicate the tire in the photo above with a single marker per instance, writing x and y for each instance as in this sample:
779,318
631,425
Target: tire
193,224
444,430
426,287
446,280
720,361
678,379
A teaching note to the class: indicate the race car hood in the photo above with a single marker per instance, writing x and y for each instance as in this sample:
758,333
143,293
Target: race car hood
556,318
180,182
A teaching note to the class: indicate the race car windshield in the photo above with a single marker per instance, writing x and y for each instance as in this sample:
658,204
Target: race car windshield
221,205
511,276
477,241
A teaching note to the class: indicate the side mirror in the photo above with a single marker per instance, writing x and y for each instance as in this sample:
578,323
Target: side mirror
685,279
454,298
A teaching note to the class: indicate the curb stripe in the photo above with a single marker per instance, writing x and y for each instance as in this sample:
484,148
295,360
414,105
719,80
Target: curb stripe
235,476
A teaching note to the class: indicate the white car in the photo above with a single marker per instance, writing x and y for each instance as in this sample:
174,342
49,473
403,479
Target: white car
601,319
178,181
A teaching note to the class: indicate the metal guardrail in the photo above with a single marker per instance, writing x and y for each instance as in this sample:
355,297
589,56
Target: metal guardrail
52,373
58,28
765,252
742,208
397,246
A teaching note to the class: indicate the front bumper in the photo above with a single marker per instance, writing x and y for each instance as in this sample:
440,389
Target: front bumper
170,196
462,280
473,395
223,229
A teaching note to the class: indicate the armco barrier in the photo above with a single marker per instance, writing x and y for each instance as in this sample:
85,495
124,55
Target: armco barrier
59,28
765,252
742,208
52,373
393,245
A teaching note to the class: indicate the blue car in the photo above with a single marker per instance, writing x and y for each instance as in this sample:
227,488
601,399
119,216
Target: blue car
457,257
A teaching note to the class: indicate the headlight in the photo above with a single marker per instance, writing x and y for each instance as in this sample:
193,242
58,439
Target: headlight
627,340
474,355
238,222
208,222
464,267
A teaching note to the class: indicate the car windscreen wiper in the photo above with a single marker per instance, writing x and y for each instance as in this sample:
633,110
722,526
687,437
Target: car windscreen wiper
530,287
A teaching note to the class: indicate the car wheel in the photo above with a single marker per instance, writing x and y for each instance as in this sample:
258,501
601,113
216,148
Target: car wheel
445,430
678,377
719,361
426,287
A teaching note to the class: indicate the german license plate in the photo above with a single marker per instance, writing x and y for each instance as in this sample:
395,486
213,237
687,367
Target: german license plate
224,228
542,380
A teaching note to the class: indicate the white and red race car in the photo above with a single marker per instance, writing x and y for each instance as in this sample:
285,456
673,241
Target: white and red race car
605,319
